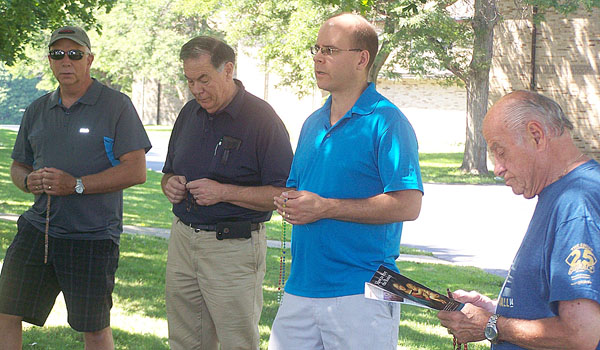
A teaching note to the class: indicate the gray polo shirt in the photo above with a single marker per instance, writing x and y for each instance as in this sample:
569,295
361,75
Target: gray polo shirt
82,140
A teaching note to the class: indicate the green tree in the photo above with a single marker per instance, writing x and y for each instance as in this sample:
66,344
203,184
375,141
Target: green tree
15,95
138,39
143,38
23,20
422,36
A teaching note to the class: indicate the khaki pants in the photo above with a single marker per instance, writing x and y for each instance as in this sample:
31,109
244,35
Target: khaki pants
214,289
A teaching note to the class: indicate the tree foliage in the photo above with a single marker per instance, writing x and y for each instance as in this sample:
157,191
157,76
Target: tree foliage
139,38
144,37
16,93
23,20
420,36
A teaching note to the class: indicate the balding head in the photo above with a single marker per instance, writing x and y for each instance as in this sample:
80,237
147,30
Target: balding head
525,132
363,35
518,108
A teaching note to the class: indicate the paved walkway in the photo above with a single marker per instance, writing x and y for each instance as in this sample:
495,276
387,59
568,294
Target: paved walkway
164,233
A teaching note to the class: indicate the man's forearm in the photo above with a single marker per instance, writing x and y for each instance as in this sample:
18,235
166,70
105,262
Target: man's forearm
575,329
131,171
18,172
258,198
385,208
542,334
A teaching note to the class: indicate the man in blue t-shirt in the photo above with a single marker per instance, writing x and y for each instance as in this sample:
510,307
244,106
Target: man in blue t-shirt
551,297
356,178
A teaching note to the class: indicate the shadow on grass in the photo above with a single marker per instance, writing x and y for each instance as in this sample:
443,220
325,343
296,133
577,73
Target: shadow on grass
65,338
140,279
140,200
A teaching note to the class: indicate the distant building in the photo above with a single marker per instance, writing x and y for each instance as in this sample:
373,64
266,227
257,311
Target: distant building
559,58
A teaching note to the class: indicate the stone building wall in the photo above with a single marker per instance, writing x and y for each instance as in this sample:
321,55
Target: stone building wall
567,64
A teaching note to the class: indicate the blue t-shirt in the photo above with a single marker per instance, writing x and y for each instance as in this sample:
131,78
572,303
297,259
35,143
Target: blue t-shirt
370,150
558,257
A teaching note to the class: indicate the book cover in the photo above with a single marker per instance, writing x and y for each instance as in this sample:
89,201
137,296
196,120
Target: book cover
389,285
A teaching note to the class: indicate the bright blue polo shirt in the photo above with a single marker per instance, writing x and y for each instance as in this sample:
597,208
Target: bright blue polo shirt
371,150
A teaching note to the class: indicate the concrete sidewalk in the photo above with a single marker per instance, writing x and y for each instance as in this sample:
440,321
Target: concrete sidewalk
164,233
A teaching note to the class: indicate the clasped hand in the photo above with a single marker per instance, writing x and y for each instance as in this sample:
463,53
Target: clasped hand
300,207
52,181
204,191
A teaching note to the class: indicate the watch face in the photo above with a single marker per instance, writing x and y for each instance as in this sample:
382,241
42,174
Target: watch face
490,333
79,187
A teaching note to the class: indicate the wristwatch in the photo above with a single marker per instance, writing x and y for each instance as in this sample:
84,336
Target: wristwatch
79,187
491,331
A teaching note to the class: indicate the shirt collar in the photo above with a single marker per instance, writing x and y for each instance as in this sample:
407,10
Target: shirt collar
89,98
367,102
234,107
365,105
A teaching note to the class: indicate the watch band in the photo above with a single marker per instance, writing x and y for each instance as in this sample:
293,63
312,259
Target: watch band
25,183
491,329
79,187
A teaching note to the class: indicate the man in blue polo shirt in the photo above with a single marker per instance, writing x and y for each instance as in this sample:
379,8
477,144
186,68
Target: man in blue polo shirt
229,154
356,177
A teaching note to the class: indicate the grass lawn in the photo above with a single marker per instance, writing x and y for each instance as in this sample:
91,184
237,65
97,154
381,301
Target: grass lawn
138,316
444,168
139,319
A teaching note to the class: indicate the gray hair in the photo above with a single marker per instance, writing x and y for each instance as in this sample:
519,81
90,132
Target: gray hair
531,106
220,53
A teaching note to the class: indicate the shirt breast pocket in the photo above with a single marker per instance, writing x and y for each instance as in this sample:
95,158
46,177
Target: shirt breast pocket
231,161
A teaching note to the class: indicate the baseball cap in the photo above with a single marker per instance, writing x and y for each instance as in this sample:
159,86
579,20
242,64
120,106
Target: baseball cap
76,34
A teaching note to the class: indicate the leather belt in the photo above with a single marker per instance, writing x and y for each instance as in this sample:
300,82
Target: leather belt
253,226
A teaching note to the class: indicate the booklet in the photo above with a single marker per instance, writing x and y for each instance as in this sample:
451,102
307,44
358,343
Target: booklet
389,285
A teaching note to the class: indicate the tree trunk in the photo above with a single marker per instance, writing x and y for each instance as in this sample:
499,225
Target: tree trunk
384,51
158,98
382,56
477,84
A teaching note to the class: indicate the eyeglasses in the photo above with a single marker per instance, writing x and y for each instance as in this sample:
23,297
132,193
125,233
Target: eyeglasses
328,50
74,55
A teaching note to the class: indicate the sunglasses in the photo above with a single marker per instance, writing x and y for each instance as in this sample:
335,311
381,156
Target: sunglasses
74,55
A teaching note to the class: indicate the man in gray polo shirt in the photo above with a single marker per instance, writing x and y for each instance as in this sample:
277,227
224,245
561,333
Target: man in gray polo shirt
78,147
